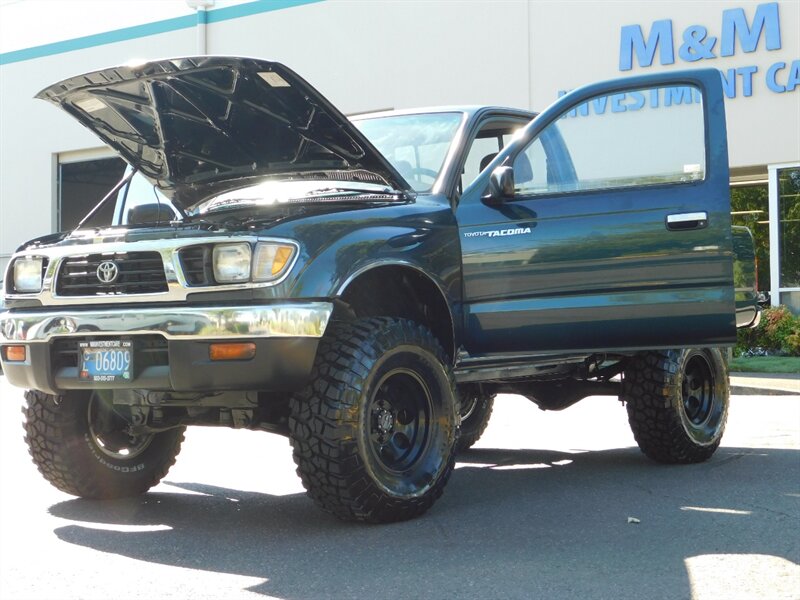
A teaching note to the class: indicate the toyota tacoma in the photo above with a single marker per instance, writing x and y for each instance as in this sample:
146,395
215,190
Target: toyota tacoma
366,286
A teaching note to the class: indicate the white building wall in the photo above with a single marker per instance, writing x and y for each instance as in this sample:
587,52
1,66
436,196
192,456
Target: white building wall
394,54
33,132
397,54
762,129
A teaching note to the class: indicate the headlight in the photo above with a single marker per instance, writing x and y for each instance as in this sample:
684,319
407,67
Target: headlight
28,274
271,260
232,262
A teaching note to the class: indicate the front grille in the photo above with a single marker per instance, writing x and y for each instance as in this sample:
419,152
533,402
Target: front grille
138,273
196,265
149,351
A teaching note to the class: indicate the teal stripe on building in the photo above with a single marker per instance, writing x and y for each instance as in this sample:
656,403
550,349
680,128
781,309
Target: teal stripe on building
138,31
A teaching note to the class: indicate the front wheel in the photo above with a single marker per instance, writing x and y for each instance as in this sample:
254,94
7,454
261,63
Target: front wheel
374,432
677,402
82,447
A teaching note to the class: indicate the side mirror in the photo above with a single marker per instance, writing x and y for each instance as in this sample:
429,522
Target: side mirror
150,213
501,184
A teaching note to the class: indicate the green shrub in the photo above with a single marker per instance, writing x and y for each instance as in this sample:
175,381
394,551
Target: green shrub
793,342
744,342
777,333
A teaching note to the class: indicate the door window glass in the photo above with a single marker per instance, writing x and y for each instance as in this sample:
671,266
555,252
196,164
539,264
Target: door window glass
643,137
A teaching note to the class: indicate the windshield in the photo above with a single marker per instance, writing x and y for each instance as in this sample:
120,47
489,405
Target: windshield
141,202
416,145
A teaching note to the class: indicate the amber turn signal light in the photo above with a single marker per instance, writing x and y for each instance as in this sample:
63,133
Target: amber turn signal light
229,351
282,256
14,353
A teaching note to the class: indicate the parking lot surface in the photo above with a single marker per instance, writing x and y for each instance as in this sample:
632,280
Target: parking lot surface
539,509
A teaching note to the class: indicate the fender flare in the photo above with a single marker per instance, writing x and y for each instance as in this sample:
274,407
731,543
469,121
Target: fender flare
379,264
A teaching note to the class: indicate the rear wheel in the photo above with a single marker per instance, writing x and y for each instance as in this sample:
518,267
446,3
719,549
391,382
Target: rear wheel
374,433
476,410
83,447
677,402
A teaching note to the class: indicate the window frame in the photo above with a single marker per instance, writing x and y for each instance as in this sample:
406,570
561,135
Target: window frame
777,287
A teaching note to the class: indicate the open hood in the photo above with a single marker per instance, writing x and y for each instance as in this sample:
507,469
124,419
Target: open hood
186,123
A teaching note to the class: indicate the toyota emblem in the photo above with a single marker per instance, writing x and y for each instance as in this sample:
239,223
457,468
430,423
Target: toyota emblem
107,272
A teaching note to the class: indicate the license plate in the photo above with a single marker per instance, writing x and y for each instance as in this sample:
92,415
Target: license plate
105,360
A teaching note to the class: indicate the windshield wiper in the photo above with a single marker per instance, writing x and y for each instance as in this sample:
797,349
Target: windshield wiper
338,190
334,194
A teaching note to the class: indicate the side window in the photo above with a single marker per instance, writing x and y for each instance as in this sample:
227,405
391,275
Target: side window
492,138
530,169
482,151
644,137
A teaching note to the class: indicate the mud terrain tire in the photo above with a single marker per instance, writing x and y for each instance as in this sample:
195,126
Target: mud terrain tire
66,443
374,432
677,402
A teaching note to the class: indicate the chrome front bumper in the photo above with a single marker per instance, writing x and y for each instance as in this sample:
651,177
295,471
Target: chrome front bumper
285,336
308,319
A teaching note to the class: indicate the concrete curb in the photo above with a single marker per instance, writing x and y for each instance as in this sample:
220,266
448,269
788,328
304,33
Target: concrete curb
765,384
752,391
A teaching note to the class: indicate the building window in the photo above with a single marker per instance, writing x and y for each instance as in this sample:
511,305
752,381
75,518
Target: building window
750,208
789,226
789,236
81,185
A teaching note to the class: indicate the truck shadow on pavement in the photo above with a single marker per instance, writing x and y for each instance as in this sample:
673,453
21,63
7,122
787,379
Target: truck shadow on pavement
512,524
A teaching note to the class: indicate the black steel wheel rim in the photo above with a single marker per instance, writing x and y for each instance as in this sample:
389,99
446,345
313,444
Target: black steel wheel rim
698,390
399,420
109,432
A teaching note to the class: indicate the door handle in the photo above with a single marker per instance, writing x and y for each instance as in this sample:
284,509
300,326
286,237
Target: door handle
682,221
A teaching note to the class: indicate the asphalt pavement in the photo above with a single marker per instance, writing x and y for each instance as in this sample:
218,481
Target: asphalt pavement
549,505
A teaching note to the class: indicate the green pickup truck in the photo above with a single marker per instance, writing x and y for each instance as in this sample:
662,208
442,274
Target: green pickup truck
367,286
